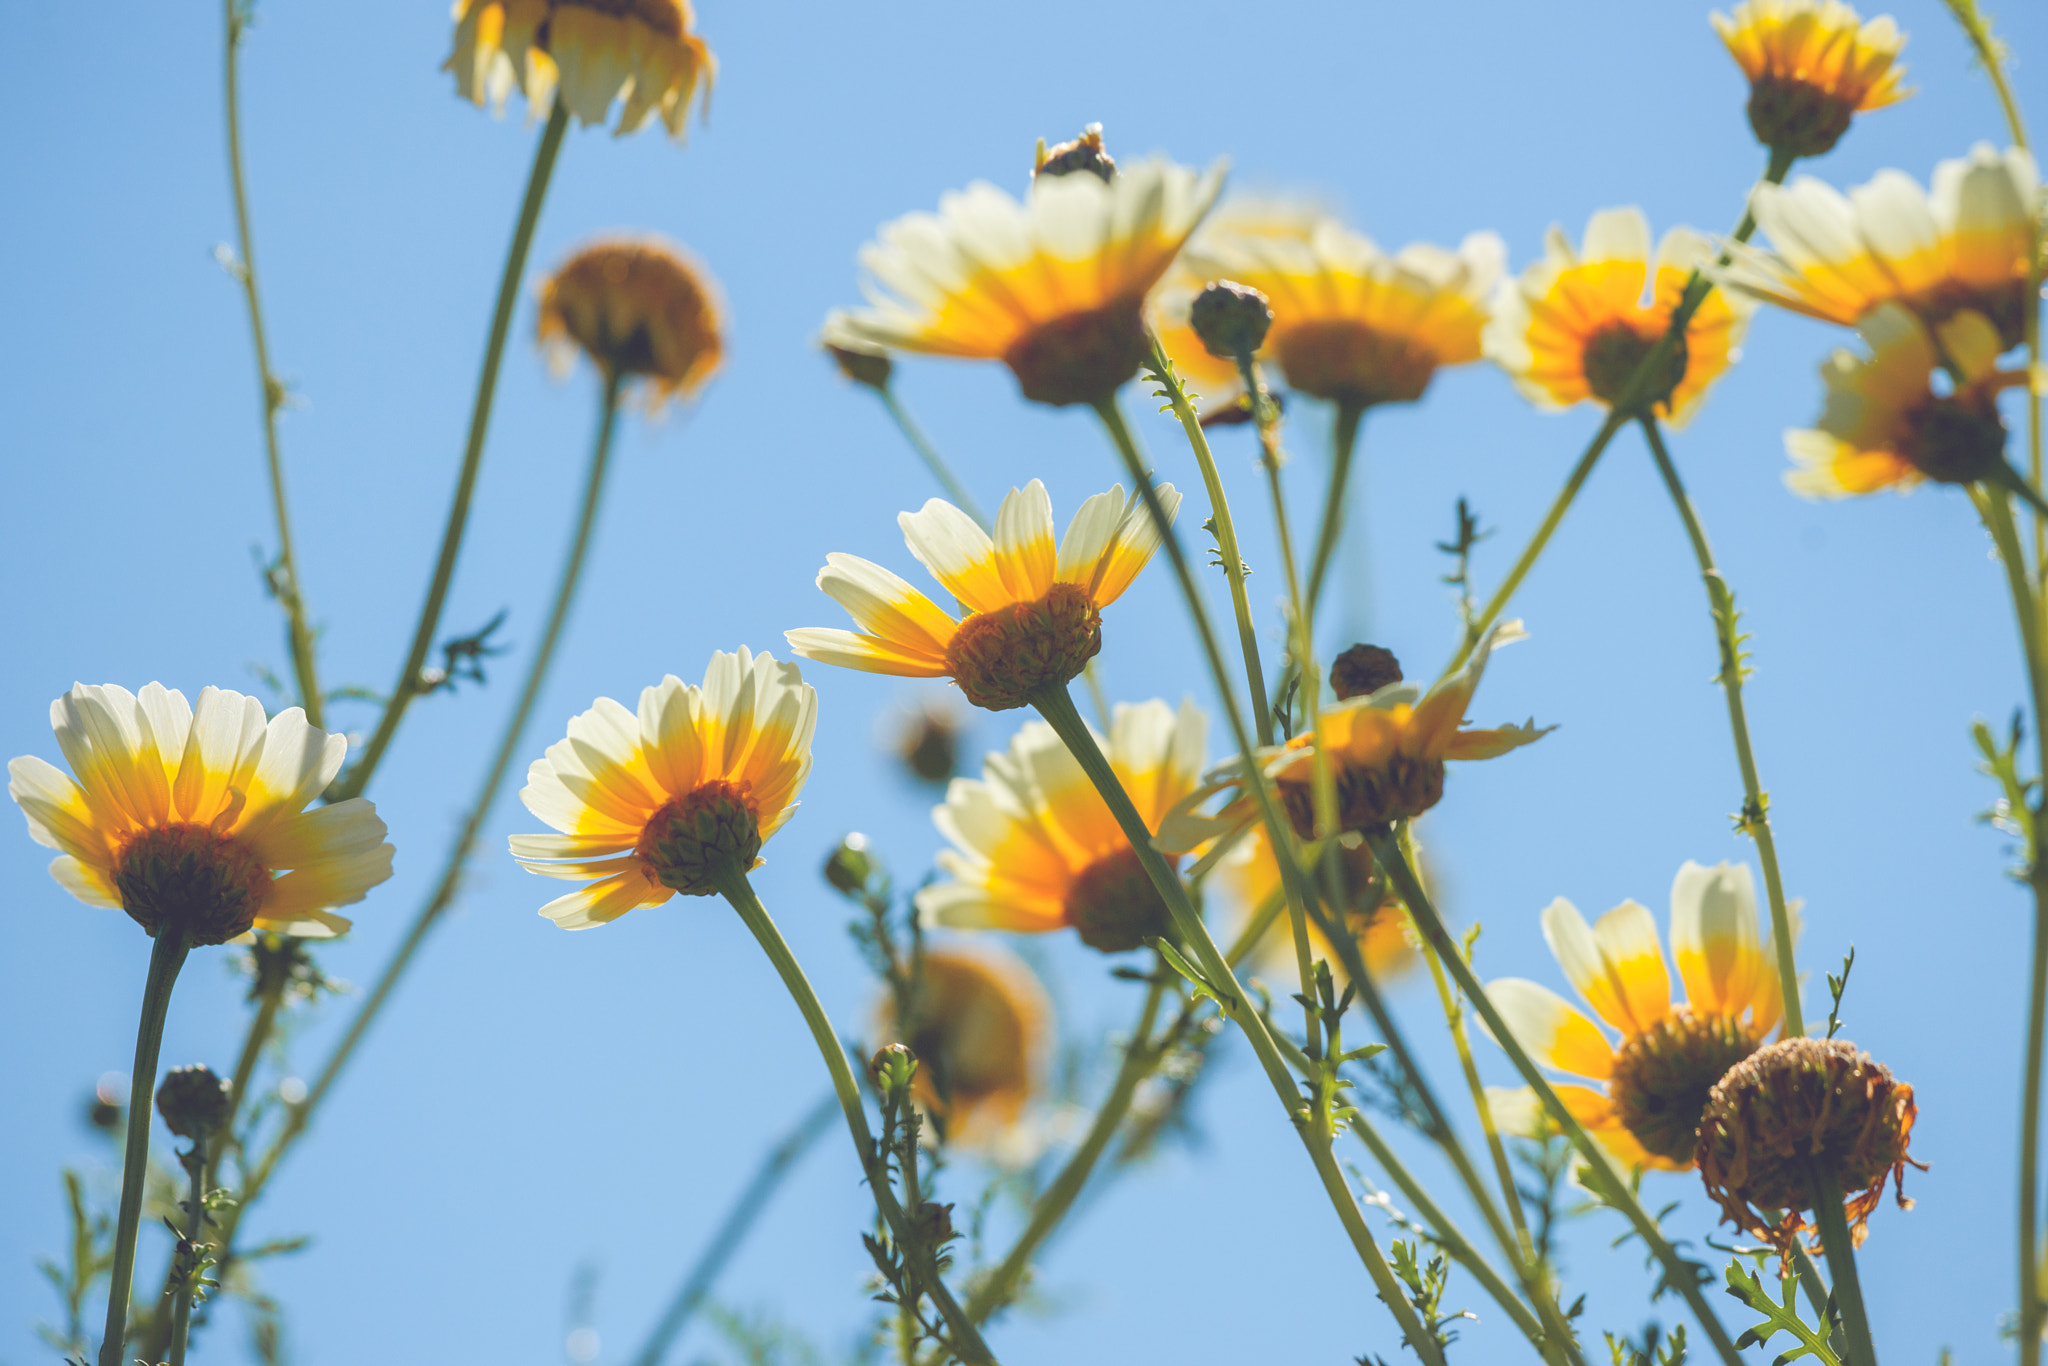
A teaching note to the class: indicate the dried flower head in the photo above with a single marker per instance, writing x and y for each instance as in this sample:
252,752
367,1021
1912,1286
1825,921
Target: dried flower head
591,52
1085,154
1812,66
638,308
193,1101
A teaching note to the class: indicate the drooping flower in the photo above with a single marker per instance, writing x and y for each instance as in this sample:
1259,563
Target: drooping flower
1575,326
188,817
638,308
591,52
1812,65
1250,875
1839,257
1655,1082
1035,848
1884,426
1034,614
1053,286
981,1030
674,798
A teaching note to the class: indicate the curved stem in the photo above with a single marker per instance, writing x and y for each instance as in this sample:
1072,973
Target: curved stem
166,956
284,580
929,453
1680,1274
185,1262
704,1272
351,784
1756,817
733,885
1841,1252
1343,442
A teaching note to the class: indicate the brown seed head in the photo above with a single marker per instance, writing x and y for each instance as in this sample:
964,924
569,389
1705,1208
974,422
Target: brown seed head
929,744
185,877
1113,905
1231,319
1362,671
708,832
1002,658
637,308
193,1101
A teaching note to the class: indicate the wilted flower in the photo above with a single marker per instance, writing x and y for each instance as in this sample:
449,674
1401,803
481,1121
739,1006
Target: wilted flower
1812,66
595,51
982,1033
637,308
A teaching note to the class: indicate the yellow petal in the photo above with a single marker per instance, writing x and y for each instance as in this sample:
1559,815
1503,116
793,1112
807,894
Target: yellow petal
1545,1024
1617,966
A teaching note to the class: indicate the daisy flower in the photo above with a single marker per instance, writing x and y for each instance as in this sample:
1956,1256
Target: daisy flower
1812,65
592,52
982,1033
637,308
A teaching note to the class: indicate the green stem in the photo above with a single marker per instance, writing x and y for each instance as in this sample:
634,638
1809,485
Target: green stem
704,1273
1610,1185
166,956
1051,1207
353,782
186,1260
1344,441
929,453
733,885
1841,1252
1756,816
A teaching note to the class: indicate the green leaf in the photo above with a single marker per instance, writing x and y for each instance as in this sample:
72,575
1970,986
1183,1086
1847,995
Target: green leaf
1779,1317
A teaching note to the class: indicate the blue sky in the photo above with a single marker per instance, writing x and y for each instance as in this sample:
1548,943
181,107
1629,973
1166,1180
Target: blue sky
534,1101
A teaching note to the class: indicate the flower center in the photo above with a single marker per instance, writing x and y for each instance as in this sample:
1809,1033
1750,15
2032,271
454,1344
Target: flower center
1114,905
186,877
1796,116
1612,356
708,832
1348,362
1368,798
2003,305
663,16
1662,1077
1957,439
1080,357
1001,658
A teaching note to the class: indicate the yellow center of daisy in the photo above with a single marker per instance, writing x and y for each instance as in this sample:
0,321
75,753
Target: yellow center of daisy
1957,439
1081,357
1347,362
1368,798
1002,658
707,833
1614,353
1114,906
1663,1075
1792,115
186,877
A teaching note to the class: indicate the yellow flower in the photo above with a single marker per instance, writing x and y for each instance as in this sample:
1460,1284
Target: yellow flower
595,51
1885,427
1054,287
1352,323
673,798
186,816
1035,847
1034,615
1656,1080
1575,326
635,307
1837,257
1251,876
982,1032
1812,66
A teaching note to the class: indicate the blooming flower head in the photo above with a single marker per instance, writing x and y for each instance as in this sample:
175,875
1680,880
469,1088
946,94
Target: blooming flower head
1212,377
1250,875
187,817
637,308
1053,286
1655,1082
1812,66
672,799
1838,257
1575,326
595,51
1035,848
982,1032
1034,614
1884,426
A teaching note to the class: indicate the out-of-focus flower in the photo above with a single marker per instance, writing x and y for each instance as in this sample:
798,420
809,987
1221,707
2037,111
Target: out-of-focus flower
1215,379
1034,614
1054,286
1884,426
1251,876
1575,327
1655,1082
1812,65
591,52
862,362
1838,257
1035,847
185,816
194,1101
638,308
672,799
982,1033
927,741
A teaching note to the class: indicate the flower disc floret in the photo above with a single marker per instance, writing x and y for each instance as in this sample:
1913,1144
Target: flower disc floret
701,836
639,308
591,53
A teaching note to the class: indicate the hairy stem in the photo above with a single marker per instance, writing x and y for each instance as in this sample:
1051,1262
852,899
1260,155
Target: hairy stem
185,1262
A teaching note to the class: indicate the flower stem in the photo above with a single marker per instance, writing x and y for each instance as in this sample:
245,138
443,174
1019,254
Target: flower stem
1841,1252
166,956
353,782
1756,817
1344,441
704,1273
1682,1275
185,1262
270,390
929,453
733,885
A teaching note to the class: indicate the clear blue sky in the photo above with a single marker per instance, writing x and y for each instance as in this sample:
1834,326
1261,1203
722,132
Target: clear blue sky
534,1100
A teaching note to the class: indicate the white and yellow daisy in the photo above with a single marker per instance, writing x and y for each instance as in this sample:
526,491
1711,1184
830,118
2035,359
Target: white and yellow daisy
638,308
592,52
1250,876
983,1034
1813,65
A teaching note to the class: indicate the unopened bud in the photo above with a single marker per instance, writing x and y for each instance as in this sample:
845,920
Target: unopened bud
861,365
850,865
193,1101
1084,153
1230,318
1362,671
892,1068
935,1222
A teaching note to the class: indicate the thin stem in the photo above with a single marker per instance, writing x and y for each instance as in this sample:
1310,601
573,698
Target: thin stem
711,1261
1610,1185
185,1261
352,783
1756,817
733,885
1343,442
1841,1252
929,453
166,956
1052,1206
270,390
